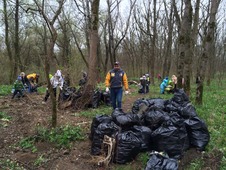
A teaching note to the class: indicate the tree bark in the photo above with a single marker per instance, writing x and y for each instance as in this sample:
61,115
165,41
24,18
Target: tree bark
184,60
50,53
86,97
208,47
7,42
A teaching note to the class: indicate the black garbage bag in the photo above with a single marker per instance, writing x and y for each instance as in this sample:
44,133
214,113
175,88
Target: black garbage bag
176,119
96,98
187,110
198,133
128,146
178,122
105,97
126,120
68,92
116,113
140,106
109,129
144,133
170,139
161,162
171,106
140,90
155,117
82,81
98,120
180,96
157,103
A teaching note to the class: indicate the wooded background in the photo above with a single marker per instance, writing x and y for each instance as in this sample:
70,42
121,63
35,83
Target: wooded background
182,37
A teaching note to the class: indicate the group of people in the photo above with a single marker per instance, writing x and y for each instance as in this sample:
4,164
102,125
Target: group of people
29,83
115,80
168,85
25,82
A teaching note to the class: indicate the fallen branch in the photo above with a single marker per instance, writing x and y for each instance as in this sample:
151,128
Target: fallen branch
110,142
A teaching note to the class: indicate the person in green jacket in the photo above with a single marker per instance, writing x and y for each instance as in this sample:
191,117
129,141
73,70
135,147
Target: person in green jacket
18,87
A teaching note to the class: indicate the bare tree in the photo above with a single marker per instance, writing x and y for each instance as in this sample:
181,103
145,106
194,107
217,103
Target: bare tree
114,35
92,71
13,46
50,50
169,40
207,51
184,59
7,42
64,40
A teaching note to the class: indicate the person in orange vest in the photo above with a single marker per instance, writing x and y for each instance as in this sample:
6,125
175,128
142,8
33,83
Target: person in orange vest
114,81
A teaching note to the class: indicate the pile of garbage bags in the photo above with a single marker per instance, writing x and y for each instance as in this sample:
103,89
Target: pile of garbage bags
169,126
99,97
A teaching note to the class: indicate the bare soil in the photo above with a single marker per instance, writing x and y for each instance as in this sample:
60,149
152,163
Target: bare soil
27,113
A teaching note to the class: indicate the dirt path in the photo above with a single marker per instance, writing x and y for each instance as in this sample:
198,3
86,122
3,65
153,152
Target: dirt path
27,113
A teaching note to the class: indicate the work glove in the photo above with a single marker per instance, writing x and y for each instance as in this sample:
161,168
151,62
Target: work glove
107,89
126,92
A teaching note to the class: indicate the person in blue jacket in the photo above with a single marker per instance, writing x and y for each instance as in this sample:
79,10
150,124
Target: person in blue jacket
163,85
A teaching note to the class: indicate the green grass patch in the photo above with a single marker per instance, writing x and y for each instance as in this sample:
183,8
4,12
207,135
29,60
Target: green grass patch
7,164
195,165
28,143
4,119
61,136
42,90
90,113
40,160
5,90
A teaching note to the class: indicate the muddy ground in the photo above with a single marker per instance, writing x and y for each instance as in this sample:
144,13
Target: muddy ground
29,112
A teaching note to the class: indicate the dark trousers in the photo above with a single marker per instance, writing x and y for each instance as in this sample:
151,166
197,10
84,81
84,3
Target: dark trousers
116,97
29,87
48,94
17,91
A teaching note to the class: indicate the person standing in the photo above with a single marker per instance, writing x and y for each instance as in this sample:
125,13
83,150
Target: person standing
56,81
115,80
147,75
174,80
144,84
159,77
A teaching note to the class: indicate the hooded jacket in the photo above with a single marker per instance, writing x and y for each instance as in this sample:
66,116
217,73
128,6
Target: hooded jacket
57,80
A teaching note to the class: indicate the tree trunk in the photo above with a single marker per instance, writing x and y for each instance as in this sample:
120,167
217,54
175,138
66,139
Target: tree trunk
50,52
7,42
154,44
87,94
18,63
184,62
208,47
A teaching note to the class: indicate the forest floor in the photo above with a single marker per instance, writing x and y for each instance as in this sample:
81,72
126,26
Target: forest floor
29,112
